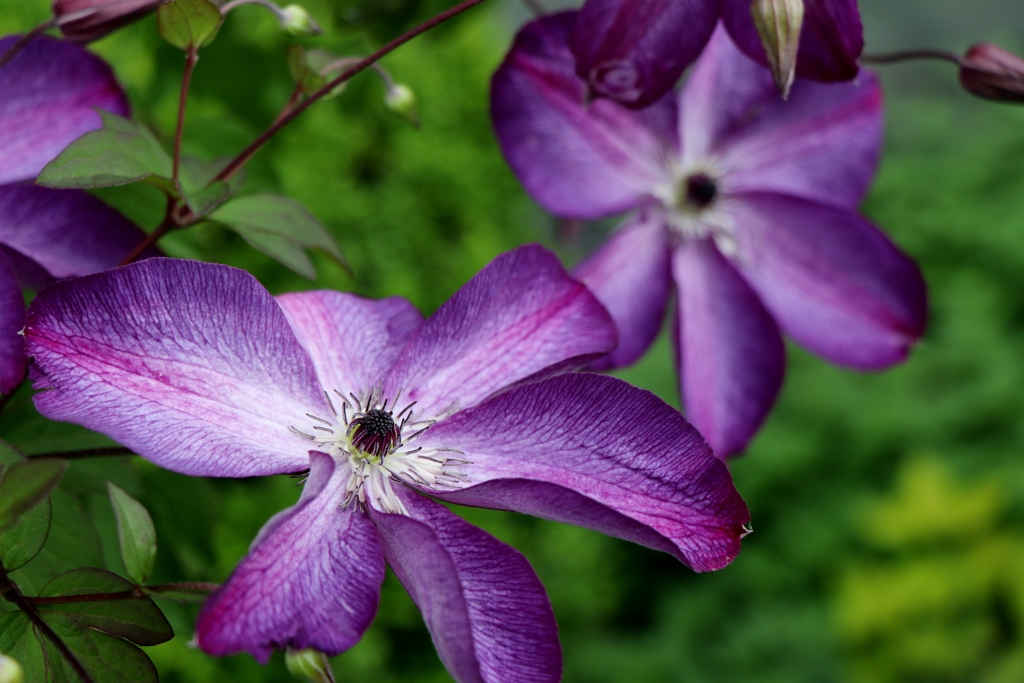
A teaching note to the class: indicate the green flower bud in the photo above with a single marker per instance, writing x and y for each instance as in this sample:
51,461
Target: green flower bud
298,22
778,23
10,670
402,100
309,665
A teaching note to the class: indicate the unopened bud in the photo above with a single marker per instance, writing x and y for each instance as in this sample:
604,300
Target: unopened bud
309,665
10,670
298,22
993,73
86,20
779,23
402,100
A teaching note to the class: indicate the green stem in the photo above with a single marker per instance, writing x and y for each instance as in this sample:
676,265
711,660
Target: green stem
910,55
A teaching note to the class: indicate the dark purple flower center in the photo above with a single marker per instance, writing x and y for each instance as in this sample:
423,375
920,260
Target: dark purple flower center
701,190
374,433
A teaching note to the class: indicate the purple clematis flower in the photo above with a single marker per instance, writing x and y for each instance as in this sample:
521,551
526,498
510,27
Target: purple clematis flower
197,368
634,51
51,91
87,20
745,202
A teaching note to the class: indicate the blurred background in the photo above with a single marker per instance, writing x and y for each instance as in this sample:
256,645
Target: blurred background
888,509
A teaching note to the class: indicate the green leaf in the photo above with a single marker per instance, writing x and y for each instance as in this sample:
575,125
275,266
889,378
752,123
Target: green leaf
136,534
24,540
278,227
107,659
303,75
121,152
18,638
137,619
25,484
198,188
189,24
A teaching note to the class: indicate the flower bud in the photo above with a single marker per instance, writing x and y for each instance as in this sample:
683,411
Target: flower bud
993,73
778,23
309,665
298,22
10,670
402,100
86,20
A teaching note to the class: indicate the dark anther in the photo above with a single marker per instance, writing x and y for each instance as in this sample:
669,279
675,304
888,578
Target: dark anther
374,433
701,190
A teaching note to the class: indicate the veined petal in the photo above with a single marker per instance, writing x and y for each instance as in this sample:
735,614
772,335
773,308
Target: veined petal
830,42
823,143
520,317
832,280
66,231
311,579
631,276
12,318
191,365
634,51
576,159
353,341
51,89
594,451
730,354
484,606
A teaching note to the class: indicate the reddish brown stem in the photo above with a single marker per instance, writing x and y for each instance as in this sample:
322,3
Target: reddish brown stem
238,162
133,594
191,57
152,238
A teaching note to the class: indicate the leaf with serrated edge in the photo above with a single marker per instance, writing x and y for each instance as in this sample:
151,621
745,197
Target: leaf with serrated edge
24,485
120,152
189,24
136,534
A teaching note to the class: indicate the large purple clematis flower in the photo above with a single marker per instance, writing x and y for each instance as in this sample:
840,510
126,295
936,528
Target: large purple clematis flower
51,91
634,51
197,368
746,202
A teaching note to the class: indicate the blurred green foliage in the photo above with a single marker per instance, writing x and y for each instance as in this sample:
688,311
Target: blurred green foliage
888,509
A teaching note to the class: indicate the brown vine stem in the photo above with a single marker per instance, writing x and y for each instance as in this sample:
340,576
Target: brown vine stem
910,55
25,40
136,593
239,161
152,238
84,453
191,57
12,594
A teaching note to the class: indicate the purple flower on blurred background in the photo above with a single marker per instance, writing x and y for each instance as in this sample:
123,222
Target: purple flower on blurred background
746,202
51,91
634,51
197,368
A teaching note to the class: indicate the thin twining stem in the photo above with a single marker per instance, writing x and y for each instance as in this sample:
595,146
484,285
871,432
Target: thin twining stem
25,40
84,453
191,57
910,55
227,7
239,161
136,593
12,594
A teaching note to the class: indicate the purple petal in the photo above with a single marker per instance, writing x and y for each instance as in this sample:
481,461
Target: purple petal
484,606
830,42
12,318
631,276
634,51
311,579
353,341
52,89
832,280
521,316
730,355
576,159
822,144
191,365
595,451
66,231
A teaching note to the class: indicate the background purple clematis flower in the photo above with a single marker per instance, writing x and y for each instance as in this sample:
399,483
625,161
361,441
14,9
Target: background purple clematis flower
745,202
197,368
86,20
51,91
634,51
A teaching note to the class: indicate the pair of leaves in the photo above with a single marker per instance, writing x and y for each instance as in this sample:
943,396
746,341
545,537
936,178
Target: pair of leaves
102,634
